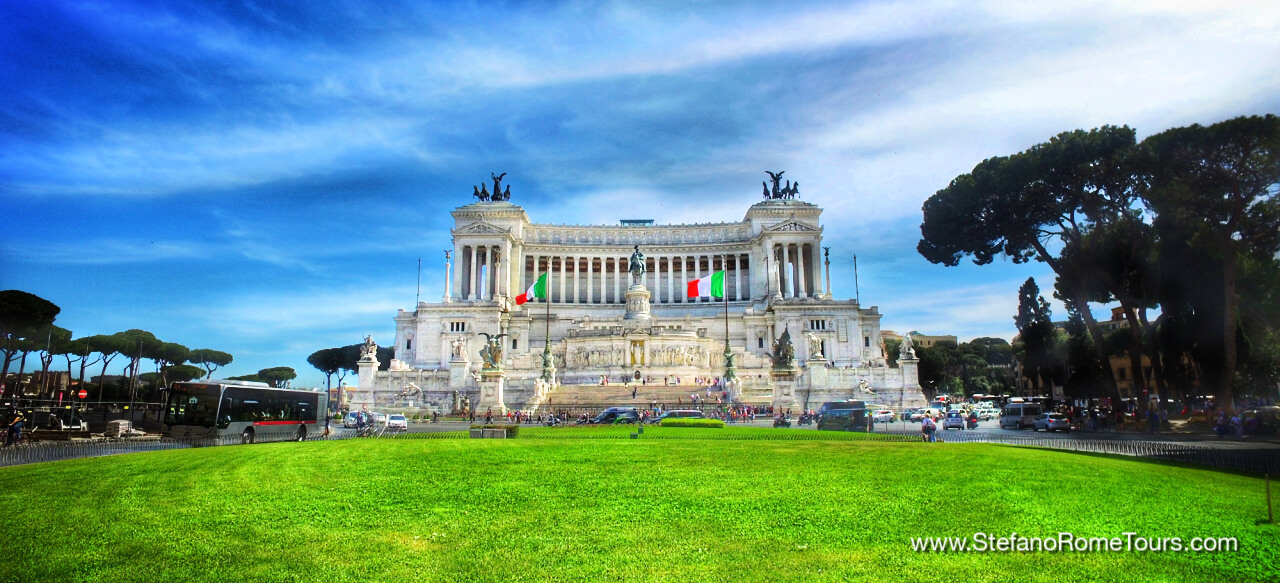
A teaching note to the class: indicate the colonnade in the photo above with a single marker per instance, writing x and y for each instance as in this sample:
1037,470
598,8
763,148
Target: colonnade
484,272
604,279
476,271
795,272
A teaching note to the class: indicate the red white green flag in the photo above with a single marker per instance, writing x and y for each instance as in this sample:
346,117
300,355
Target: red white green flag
711,285
537,290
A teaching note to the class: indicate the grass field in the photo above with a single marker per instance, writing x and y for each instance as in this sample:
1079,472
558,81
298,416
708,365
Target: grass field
721,505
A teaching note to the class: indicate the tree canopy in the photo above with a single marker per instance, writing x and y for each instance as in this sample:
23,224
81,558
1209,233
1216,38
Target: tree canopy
209,359
1165,223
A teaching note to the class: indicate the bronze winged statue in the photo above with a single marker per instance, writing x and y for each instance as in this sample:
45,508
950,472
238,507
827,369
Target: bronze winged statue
777,179
492,351
497,185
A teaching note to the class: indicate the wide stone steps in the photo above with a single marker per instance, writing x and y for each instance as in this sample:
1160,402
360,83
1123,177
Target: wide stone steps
592,396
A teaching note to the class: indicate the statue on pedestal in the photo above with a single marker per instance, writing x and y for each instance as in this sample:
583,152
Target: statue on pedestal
815,346
370,348
784,354
459,349
636,267
906,350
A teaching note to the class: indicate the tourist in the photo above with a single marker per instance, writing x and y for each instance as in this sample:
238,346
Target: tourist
927,428
14,432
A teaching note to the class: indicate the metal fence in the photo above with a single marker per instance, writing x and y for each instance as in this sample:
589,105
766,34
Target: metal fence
52,451
1250,459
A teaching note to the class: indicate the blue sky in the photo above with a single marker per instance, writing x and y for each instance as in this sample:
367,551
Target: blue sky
261,178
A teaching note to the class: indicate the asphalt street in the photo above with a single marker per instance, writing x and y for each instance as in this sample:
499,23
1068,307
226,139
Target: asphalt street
987,427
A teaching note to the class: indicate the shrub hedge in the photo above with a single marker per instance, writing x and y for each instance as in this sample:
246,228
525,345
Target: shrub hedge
677,422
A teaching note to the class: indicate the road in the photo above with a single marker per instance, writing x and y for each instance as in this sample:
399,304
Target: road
984,427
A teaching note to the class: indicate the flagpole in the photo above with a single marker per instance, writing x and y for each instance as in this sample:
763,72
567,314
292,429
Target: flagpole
548,376
728,354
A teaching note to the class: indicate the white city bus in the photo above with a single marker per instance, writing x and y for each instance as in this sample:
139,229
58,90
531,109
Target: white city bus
254,411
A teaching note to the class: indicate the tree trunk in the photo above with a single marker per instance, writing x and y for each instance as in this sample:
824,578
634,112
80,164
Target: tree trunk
1081,306
1135,352
1227,375
102,379
1153,352
8,358
22,367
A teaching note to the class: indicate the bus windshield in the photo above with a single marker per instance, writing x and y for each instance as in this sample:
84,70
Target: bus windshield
192,404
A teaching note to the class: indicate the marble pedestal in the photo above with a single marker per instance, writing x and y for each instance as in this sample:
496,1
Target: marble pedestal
492,383
784,389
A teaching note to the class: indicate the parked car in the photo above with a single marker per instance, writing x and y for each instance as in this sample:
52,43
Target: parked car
953,419
883,416
397,421
678,414
1052,422
907,413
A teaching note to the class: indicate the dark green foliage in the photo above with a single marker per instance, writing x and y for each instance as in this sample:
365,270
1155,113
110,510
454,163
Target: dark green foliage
1217,187
181,373
1038,338
1088,371
278,376
209,359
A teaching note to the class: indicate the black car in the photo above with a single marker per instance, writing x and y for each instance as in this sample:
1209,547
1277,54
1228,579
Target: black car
617,415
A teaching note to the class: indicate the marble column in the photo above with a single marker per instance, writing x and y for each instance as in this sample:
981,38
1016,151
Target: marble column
590,267
473,276
671,293
604,278
697,272
684,278
564,275
508,263
459,258
786,270
804,273
737,276
577,267
448,280
617,281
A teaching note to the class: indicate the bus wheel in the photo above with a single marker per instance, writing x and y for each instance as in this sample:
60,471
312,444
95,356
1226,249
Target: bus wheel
247,436
302,433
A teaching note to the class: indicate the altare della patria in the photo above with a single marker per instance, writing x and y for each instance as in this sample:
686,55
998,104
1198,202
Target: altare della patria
613,323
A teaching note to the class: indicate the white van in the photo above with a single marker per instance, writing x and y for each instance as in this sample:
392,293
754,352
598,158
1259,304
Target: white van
1019,415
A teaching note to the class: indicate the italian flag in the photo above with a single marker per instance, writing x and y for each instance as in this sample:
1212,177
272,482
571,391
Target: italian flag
537,290
711,285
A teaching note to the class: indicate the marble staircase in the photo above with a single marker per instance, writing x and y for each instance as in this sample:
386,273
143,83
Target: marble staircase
586,398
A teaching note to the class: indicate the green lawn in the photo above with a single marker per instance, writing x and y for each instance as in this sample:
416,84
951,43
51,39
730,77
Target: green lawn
724,505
